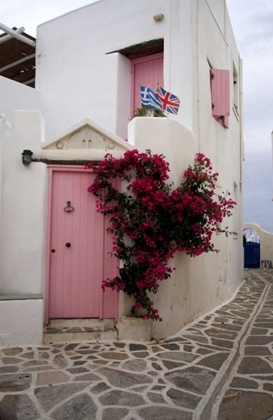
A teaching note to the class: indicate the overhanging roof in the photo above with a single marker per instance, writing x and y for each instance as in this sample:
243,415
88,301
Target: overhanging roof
17,59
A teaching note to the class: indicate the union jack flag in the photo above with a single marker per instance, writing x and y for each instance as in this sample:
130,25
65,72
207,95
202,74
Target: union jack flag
169,102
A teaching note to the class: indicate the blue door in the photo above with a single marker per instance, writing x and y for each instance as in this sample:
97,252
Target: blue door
252,255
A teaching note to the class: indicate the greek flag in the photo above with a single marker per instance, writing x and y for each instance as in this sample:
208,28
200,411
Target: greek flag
149,98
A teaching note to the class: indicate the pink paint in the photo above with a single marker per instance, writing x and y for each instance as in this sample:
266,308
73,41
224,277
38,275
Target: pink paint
220,94
75,272
146,71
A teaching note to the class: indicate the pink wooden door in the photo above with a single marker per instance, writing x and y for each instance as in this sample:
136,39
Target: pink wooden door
78,250
146,71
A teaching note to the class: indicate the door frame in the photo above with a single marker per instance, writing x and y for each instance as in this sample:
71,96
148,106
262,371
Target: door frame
51,169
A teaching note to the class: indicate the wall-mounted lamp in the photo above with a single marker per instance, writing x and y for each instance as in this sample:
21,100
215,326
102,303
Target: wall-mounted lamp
26,157
159,17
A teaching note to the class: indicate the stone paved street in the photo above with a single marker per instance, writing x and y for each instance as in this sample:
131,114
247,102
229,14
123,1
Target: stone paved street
220,367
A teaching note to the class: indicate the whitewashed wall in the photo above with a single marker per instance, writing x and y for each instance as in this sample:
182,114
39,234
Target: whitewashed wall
16,96
76,74
21,322
24,207
199,284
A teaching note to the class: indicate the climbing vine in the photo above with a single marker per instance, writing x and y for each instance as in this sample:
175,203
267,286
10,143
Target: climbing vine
150,220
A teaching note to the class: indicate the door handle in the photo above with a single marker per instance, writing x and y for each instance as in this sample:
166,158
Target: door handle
68,244
53,250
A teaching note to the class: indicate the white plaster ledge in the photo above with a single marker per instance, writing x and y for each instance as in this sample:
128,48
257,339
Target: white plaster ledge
30,296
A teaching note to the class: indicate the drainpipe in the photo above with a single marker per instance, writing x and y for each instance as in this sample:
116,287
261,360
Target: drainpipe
5,126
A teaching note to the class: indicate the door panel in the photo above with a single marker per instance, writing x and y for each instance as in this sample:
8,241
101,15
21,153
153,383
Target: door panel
146,71
79,239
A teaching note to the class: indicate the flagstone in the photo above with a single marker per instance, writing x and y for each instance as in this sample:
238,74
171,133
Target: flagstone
32,363
156,398
9,369
197,338
13,351
122,398
193,379
77,370
14,382
214,361
230,327
156,366
257,350
172,365
38,368
48,397
238,405
19,407
177,355
264,324
254,365
79,362
86,377
171,346
137,347
101,387
156,349
239,382
203,351
159,412
114,413
136,365
141,354
268,387
220,333
119,345
43,355
124,379
222,343
52,377
114,356
188,348
152,373
259,331
60,361
11,360
28,355
183,399
81,407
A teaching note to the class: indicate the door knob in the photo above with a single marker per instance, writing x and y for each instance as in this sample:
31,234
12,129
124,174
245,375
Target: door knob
53,250
68,244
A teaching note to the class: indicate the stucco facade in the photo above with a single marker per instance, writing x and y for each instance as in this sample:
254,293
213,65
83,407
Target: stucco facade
80,73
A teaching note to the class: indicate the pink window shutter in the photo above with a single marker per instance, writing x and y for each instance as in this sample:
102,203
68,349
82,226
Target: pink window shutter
220,93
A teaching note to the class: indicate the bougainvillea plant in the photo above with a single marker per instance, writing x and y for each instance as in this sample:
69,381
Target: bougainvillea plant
150,220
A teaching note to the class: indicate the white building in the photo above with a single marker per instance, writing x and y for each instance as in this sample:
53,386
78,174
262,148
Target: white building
89,64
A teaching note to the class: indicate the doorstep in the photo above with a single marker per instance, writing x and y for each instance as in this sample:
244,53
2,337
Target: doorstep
67,330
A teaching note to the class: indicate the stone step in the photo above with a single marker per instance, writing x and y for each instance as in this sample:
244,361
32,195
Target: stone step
78,337
82,322
76,330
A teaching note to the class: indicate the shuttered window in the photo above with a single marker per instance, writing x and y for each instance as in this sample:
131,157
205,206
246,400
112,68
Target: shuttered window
220,95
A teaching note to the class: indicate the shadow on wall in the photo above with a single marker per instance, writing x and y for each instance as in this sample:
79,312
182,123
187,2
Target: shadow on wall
254,233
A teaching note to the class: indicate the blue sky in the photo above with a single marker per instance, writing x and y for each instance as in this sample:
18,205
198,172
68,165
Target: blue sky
252,25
